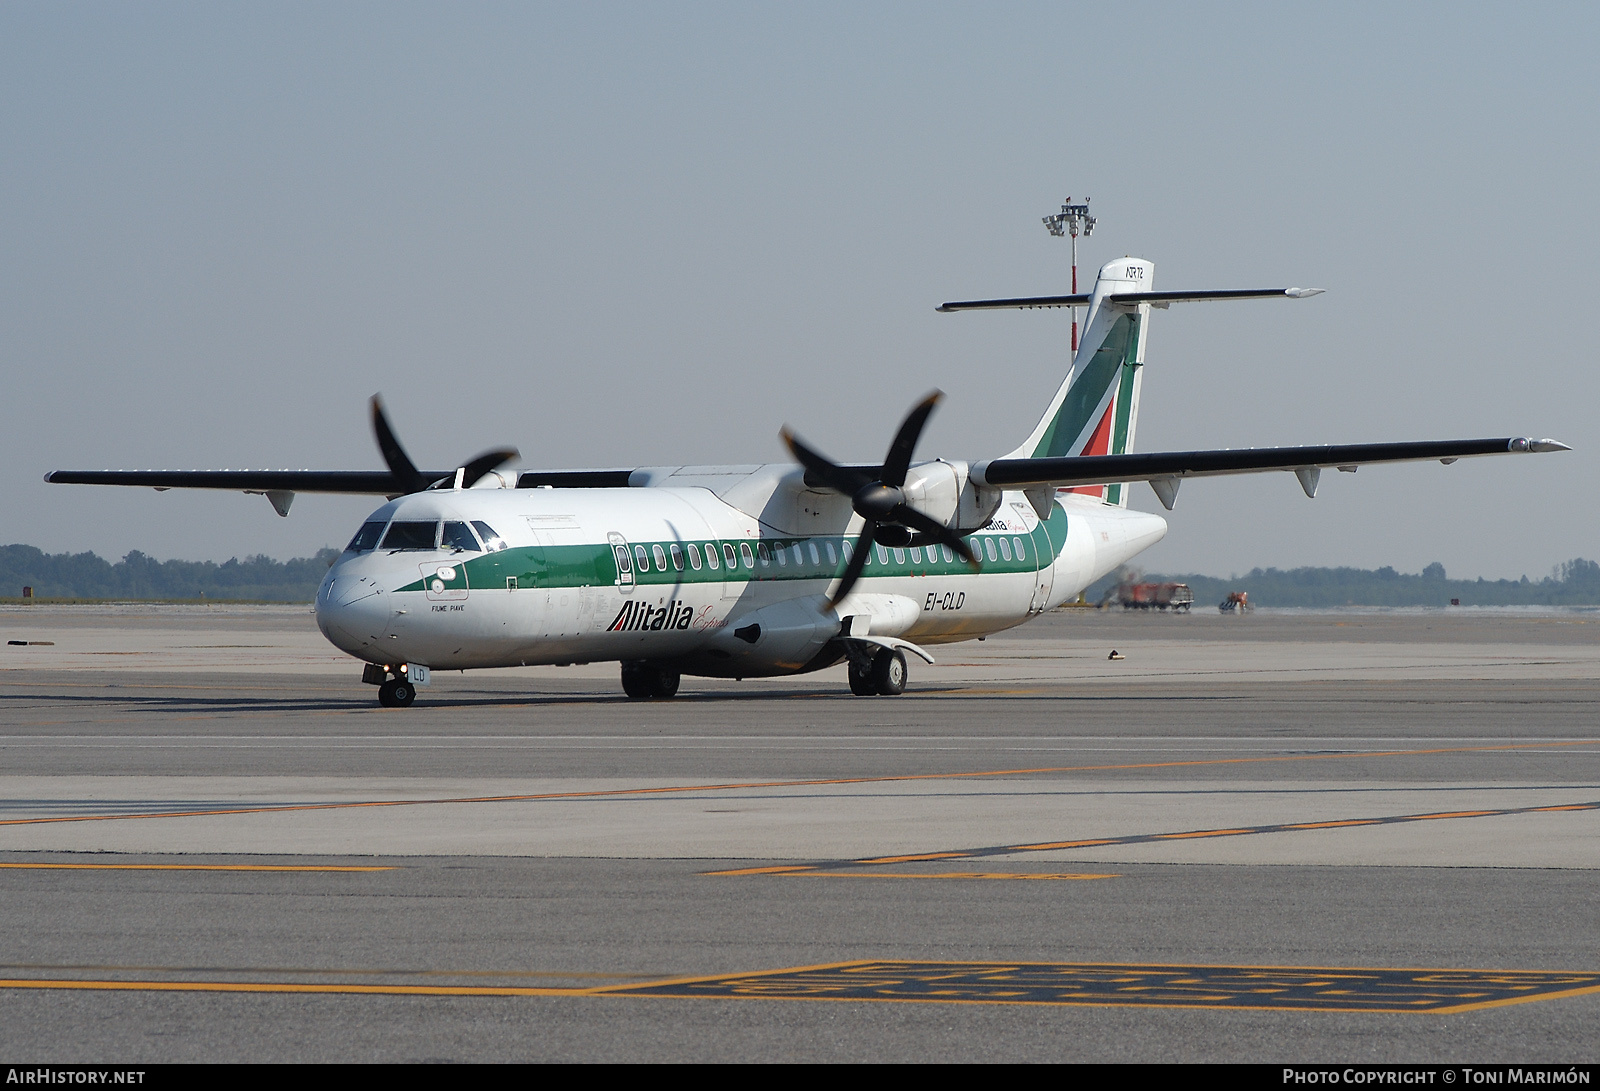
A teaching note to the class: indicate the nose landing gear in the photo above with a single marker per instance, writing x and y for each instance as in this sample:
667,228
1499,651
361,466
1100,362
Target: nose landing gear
396,693
395,688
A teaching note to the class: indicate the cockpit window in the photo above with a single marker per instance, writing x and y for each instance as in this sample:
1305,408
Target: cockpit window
411,535
458,536
365,538
492,542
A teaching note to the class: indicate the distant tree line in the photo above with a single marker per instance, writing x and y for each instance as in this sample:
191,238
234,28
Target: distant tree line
1572,583
137,576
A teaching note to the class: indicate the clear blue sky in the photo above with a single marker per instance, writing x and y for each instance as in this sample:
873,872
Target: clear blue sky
652,234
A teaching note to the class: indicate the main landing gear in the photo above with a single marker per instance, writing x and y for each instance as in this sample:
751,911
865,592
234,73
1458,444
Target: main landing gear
883,675
644,680
395,689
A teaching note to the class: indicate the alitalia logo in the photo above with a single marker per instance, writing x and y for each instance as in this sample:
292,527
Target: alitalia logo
639,616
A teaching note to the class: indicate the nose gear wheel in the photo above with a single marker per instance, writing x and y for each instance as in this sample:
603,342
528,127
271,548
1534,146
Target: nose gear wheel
397,693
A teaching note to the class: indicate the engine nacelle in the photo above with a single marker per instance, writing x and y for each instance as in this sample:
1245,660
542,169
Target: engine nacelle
945,491
777,639
496,479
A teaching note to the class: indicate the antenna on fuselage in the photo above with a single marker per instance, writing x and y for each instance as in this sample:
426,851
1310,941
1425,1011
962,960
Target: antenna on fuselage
1072,220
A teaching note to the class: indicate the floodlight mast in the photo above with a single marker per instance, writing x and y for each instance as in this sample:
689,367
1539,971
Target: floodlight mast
1072,220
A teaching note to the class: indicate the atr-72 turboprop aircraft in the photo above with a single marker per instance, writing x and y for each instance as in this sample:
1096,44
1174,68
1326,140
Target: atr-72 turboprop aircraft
744,571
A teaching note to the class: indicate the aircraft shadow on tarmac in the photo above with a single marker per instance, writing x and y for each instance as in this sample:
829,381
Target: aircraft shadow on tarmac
274,702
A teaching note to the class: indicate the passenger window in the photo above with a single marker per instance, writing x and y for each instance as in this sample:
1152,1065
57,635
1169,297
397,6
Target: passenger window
799,556
1005,549
492,542
833,558
459,536
660,556
916,554
624,564
899,556
365,538
711,555
746,556
694,556
883,555
988,547
782,553
727,551
815,560
411,536
847,550
761,551
642,557
1016,546
948,556
677,557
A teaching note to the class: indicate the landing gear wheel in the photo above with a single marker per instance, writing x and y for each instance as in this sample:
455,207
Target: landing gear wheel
640,680
636,680
396,693
889,672
861,683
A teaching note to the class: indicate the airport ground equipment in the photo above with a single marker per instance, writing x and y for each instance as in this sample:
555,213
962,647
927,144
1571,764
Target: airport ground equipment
1155,596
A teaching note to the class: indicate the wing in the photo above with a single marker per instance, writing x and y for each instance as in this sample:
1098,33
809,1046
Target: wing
1164,469
359,482
351,482
280,486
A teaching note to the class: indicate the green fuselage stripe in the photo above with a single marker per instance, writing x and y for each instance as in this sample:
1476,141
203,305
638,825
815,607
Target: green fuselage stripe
595,564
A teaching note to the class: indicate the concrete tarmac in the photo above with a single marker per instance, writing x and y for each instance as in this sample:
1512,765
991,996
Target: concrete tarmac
185,791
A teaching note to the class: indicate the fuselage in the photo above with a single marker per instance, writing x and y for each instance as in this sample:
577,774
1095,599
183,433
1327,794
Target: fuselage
683,576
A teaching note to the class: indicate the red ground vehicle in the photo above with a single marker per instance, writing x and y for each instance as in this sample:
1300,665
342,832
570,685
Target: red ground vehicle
1155,596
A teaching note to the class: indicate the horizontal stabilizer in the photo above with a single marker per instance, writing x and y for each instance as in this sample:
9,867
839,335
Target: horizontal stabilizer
1110,469
1158,299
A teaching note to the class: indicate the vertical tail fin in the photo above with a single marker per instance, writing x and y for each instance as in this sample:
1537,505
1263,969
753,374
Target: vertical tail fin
1097,405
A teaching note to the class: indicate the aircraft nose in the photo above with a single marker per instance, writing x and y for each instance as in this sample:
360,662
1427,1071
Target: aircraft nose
352,612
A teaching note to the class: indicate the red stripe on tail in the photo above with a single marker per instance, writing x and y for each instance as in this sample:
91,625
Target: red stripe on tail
1099,444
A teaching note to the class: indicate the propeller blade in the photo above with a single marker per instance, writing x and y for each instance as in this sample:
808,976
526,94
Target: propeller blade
489,460
906,515
858,560
405,474
818,467
898,460
881,502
